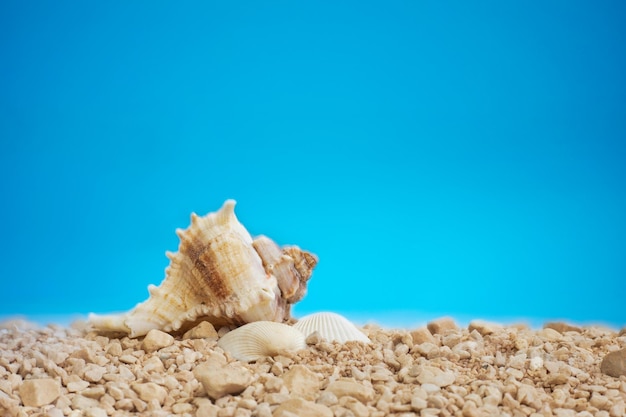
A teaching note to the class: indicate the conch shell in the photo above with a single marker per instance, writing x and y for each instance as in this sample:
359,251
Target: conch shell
221,275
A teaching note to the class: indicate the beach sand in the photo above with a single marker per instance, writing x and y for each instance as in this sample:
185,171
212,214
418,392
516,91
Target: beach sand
441,369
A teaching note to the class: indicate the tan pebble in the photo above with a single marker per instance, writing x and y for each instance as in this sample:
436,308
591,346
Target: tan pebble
327,398
302,382
509,401
125,404
263,410
95,412
128,359
54,412
247,403
430,412
559,396
437,401
39,392
181,408
94,392
139,404
149,391
470,410
154,364
451,340
125,373
550,335
435,376
422,335
242,412
76,386
206,409
114,349
618,410
82,403
562,327
228,411
302,408
599,401
483,327
556,379
277,368
314,338
220,381
430,388
518,361
383,405
93,372
204,330
418,403
521,343
563,412
357,408
273,384
357,373
155,340
441,325
352,388
527,395
428,350
614,363
276,398
84,354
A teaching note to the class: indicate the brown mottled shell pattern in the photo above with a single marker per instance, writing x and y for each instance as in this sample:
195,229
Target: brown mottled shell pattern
221,275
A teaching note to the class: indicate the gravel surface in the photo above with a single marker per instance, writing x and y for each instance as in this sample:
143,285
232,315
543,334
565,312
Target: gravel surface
441,369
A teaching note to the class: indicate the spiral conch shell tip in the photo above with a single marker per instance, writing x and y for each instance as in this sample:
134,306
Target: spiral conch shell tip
221,275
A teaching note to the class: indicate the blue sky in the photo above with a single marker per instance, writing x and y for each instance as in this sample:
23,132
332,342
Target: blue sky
441,158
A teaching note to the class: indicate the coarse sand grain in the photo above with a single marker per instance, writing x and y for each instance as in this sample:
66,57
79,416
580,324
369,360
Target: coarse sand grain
441,369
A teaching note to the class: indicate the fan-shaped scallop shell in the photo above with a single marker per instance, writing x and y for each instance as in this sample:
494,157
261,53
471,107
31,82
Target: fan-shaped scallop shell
332,327
221,275
257,340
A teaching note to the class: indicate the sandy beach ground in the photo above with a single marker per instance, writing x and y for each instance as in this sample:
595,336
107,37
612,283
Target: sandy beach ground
441,369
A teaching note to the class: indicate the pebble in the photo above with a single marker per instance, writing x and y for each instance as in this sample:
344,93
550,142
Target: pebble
562,327
442,325
352,388
155,340
204,330
435,376
150,391
38,392
302,408
219,381
302,382
422,335
614,363
483,327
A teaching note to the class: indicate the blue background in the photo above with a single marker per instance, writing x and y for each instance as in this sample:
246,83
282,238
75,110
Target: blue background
440,157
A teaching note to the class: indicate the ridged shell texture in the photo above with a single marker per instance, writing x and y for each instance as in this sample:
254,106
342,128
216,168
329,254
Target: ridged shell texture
332,327
254,341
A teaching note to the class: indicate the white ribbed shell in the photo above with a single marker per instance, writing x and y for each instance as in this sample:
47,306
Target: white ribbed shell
332,327
259,339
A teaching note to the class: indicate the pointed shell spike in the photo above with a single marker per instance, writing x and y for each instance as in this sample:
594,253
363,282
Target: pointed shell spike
332,327
257,340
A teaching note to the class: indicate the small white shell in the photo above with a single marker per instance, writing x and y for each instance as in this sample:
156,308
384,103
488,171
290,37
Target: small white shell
259,339
332,327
